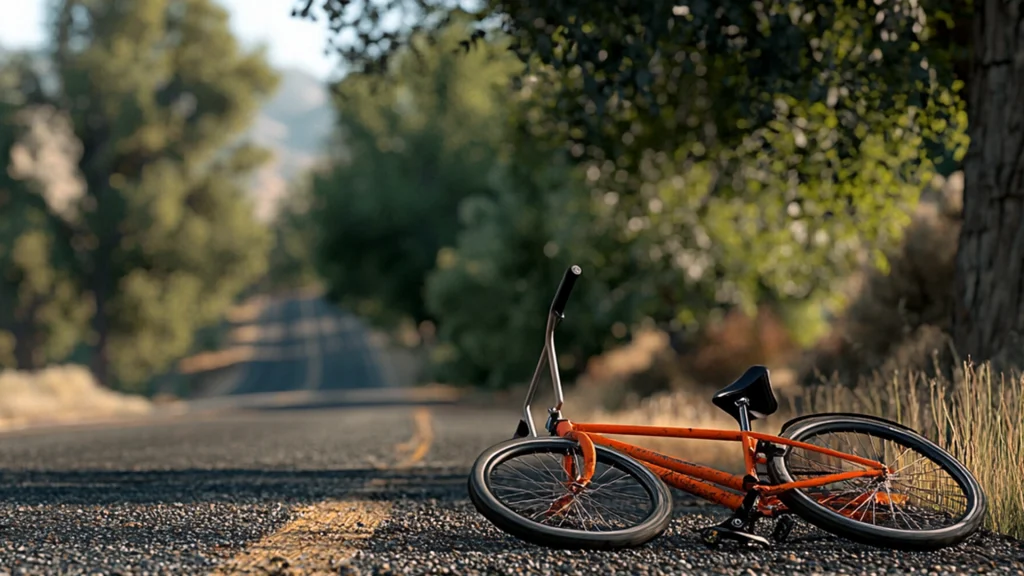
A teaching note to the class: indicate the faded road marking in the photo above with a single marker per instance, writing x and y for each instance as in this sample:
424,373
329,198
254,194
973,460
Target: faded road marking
422,439
318,540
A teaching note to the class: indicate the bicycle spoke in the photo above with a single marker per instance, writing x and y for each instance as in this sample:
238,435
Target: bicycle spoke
915,495
537,487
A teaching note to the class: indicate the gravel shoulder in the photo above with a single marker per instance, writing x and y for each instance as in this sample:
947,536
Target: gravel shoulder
436,536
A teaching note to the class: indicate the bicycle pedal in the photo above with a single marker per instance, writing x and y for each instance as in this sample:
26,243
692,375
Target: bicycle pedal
783,526
712,536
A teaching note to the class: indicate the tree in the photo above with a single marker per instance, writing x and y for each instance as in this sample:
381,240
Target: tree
42,308
989,305
908,37
410,147
162,238
651,56
429,213
740,151
491,289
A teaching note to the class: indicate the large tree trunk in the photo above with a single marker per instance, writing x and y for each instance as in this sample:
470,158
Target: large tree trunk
989,298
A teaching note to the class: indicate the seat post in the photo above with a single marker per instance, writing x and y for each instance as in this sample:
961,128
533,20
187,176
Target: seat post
744,414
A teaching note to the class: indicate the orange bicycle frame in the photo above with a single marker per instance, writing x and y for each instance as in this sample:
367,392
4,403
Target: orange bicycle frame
703,481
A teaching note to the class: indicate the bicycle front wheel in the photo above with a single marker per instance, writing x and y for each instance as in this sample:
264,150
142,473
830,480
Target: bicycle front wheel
526,488
928,500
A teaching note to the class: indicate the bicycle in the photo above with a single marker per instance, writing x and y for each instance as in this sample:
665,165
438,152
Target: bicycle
893,476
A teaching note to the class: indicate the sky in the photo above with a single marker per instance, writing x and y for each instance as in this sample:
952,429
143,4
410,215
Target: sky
292,42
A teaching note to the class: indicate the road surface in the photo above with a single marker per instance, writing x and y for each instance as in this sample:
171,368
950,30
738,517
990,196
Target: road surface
303,343
374,488
367,490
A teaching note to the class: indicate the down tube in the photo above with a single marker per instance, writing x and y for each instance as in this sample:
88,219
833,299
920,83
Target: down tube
660,460
697,487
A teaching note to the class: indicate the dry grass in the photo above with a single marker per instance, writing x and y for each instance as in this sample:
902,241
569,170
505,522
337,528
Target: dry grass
621,378
976,415
611,380
646,382
61,394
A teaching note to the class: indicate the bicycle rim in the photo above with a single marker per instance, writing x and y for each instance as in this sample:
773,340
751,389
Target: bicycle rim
529,489
928,500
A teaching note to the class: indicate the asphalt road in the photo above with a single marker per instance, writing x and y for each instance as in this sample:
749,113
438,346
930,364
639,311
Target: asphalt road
368,490
304,343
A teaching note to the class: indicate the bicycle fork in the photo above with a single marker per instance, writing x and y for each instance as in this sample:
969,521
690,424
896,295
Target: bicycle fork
577,481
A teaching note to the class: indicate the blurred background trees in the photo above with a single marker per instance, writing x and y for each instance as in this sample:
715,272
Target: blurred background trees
154,235
43,310
696,159
410,147
702,162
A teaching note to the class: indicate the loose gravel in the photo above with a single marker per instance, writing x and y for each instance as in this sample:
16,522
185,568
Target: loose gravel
448,536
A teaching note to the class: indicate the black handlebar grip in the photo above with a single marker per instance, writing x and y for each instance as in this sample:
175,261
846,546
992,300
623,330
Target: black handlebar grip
565,289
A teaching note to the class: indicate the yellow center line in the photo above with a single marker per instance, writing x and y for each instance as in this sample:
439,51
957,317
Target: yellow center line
323,536
422,439
318,540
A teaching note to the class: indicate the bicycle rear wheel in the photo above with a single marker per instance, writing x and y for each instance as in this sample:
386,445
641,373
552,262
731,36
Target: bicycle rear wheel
522,486
927,501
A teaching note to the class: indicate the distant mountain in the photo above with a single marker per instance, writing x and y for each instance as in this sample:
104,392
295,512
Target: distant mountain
295,124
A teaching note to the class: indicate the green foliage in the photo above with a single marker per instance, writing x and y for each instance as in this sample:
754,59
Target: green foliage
492,289
170,237
774,138
429,213
761,160
735,153
292,259
414,146
190,256
43,314
161,238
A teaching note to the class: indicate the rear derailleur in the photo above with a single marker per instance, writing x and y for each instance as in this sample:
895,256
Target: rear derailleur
740,526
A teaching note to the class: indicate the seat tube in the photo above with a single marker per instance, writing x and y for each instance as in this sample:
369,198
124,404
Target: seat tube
744,414
749,456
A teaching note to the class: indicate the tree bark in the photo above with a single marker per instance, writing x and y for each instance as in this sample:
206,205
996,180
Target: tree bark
989,292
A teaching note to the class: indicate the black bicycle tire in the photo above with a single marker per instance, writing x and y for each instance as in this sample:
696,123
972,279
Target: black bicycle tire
832,522
553,537
826,415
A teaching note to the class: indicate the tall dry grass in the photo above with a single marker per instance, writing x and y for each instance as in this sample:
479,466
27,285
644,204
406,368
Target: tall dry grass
977,415
61,394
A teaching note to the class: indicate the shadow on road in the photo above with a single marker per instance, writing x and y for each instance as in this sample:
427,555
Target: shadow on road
192,486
